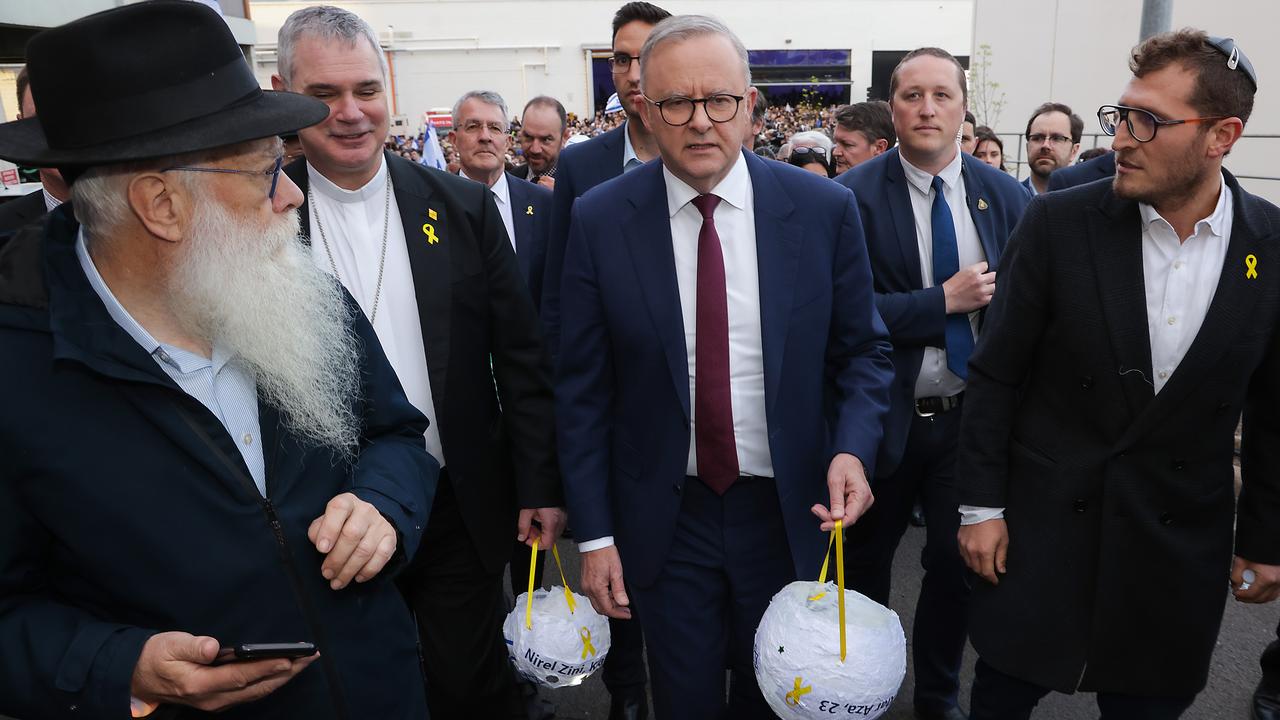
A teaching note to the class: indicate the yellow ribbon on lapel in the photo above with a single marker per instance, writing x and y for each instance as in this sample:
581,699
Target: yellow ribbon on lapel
1251,267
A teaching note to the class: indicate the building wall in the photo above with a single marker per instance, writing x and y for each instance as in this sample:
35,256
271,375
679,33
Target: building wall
523,48
1076,52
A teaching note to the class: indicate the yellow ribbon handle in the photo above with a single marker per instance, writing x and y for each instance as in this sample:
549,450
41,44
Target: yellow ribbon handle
587,647
822,576
793,697
568,595
839,540
1251,267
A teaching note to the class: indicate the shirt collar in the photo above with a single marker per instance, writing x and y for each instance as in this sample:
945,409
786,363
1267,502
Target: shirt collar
734,189
628,152
1216,221
181,360
500,191
922,180
370,190
50,202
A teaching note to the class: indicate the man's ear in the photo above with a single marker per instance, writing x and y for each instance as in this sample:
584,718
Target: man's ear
159,205
278,83
1223,136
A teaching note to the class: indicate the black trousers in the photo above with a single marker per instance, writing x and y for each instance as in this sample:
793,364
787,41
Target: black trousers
941,620
459,607
997,696
728,557
623,673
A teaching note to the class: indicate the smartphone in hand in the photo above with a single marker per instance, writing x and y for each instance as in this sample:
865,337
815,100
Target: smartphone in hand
264,651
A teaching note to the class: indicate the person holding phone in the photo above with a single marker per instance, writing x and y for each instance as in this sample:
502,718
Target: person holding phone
205,445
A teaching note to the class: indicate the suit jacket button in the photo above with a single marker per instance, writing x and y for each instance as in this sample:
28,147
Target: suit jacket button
1178,465
1166,519
1080,505
676,488
1086,382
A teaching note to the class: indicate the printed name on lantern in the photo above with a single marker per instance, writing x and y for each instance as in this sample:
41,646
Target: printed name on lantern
835,708
562,668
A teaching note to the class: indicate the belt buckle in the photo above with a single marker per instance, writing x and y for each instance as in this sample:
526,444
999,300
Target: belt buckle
919,413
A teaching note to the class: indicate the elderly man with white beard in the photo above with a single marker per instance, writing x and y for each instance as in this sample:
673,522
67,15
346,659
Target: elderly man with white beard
205,446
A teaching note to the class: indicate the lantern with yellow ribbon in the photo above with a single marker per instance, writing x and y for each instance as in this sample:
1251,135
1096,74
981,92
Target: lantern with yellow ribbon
554,637
822,650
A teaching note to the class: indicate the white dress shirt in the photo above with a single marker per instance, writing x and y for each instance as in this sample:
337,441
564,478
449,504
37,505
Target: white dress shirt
935,379
502,196
1181,278
50,202
353,222
630,161
735,225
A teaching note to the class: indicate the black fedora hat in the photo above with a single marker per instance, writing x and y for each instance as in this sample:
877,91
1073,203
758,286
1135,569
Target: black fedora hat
142,81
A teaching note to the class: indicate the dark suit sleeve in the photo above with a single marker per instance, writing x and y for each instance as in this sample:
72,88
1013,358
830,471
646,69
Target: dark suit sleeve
561,204
858,349
1257,532
584,393
53,656
916,318
395,473
1015,321
521,369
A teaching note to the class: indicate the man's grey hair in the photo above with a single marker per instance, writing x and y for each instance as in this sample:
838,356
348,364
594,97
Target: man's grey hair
323,22
681,28
814,136
487,97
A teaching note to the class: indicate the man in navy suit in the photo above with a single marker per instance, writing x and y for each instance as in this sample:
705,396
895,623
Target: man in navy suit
1100,167
481,135
723,374
936,221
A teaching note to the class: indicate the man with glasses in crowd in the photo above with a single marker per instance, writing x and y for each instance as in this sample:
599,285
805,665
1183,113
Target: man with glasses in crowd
204,443
698,292
1136,320
1053,139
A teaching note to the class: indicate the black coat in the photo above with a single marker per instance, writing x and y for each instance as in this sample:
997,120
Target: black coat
20,211
1119,501
489,372
118,521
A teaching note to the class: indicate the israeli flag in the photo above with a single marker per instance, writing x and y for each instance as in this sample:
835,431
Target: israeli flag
432,155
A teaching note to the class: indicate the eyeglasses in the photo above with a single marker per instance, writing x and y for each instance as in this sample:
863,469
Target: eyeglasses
274,172
1142,123
804,150
1041,138
677,111
621,62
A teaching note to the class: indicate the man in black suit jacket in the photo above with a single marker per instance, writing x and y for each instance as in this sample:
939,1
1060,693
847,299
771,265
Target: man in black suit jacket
1135,321
544,129
54,191
1103,166
924,303
444,278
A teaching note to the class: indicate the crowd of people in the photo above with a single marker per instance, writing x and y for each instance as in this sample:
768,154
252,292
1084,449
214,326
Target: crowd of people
319,392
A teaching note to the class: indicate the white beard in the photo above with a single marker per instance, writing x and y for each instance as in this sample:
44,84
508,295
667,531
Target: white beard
255,292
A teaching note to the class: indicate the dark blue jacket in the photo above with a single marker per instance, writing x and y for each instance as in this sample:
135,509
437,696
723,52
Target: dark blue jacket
531,218
916,317
622,393
1103,166
118,521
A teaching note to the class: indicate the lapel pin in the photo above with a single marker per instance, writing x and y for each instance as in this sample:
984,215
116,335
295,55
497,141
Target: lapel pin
1251,267
982,204
430,231
529,210
431,213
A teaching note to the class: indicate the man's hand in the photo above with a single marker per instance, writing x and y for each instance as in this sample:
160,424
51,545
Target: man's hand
174,668
984,547
850,493
550,523
1265,586
354,537
547,182
602,581
970,289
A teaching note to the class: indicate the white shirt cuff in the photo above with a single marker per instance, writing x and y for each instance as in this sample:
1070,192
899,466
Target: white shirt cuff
972,514
597,544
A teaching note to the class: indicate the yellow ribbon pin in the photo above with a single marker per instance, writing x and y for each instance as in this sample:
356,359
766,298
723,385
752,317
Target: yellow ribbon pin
982,204
793,697
587,647
431,213
1251,267
430,231
529,210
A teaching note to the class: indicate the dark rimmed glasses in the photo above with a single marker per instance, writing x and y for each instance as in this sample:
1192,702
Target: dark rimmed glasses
677,111
274,172
621,62
1142,124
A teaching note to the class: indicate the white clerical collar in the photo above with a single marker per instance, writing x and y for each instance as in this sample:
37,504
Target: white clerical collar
922,180
734,189
369,191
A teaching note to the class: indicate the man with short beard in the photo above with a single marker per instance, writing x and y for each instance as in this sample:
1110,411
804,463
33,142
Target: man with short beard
205,445
1136,321
1053,139
426,256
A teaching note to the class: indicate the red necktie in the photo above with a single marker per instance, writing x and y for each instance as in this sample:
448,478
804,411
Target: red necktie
717,454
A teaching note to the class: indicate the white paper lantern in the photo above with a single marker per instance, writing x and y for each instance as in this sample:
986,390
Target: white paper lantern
563,646
797,654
